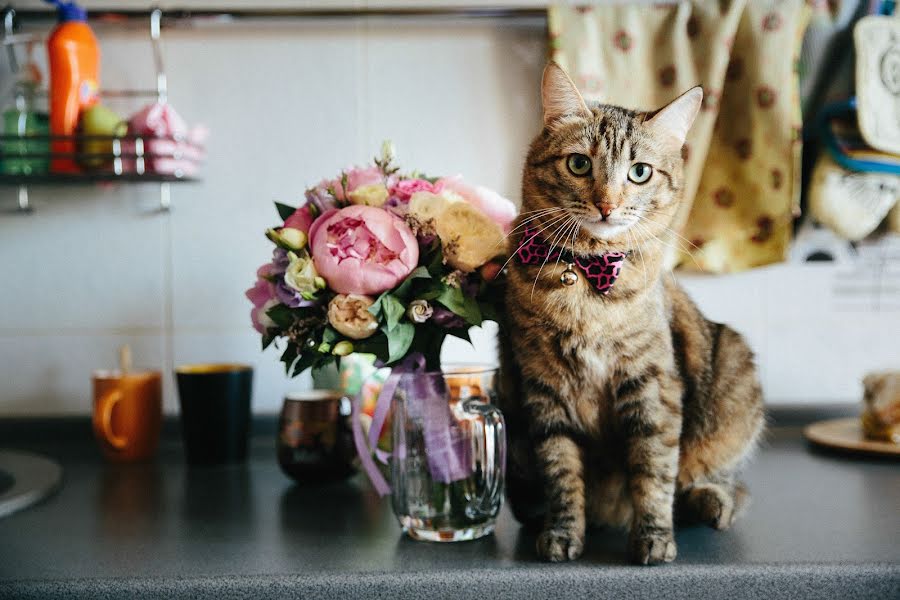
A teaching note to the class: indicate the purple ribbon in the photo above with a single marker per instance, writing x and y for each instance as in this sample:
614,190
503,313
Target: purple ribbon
445,445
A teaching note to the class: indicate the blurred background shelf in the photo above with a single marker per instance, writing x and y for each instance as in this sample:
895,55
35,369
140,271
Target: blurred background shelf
89,178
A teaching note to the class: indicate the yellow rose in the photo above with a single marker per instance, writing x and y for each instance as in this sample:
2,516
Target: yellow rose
469,237
349,315
373,194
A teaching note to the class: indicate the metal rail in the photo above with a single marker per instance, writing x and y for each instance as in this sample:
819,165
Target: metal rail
180,14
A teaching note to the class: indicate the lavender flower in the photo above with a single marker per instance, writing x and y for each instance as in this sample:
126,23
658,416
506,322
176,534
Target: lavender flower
447,318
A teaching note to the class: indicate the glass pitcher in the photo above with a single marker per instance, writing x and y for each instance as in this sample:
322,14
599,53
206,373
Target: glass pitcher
449,454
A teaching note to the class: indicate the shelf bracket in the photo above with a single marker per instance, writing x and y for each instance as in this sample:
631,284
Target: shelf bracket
24,205
162,85
165,197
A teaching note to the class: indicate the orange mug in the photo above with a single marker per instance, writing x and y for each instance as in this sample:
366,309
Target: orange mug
127,413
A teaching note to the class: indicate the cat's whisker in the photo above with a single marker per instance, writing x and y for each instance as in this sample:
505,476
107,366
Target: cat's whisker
574,226
525,223
527,239
665,228
677,248
640,251
538,210
673,232
553,243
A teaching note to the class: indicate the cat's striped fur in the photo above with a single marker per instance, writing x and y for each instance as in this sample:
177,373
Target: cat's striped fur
628,408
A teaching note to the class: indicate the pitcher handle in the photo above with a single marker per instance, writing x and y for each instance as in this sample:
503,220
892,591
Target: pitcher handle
490,427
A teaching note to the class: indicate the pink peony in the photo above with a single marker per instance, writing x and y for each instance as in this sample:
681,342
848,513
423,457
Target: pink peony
301,219
262,295
362,249
405,188
499,209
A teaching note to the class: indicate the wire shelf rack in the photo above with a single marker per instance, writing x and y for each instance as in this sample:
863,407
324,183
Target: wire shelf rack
25,160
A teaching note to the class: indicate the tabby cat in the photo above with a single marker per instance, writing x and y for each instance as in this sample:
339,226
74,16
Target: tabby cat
624,405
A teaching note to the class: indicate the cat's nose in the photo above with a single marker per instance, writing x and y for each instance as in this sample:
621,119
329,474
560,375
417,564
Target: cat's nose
606,209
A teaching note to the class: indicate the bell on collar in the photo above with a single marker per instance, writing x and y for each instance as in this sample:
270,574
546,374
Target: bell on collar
569,276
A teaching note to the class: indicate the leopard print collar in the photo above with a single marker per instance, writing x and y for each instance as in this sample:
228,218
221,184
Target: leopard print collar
601,270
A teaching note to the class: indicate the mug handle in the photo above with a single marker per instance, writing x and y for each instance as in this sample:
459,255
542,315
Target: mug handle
106,404
489,426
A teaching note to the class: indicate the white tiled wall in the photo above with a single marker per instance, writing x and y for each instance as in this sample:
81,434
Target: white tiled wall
288,103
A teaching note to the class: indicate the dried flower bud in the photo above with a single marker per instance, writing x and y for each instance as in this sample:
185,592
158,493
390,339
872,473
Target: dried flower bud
419,311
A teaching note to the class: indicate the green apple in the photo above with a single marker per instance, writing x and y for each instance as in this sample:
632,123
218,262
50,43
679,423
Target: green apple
99,120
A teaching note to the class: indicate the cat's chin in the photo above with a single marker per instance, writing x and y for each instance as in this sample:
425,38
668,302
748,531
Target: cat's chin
607,230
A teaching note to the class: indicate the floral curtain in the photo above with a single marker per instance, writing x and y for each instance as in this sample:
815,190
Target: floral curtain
742,157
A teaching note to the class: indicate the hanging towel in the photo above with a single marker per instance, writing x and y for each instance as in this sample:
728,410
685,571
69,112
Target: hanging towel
742,156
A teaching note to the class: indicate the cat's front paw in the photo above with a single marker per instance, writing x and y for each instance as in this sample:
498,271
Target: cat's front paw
557,545
652,547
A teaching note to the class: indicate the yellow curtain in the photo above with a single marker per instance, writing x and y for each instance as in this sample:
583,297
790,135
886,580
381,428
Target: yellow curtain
742,157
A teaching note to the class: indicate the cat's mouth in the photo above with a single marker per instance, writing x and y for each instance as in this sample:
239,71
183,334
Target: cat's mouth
609,228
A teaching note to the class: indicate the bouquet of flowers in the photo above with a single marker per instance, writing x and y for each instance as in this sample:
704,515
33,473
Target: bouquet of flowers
380,262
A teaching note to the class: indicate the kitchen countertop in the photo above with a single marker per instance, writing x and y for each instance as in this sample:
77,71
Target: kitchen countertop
820,526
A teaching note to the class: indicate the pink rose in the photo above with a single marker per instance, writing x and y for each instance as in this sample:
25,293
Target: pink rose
362,249
301,219
499,209
262,295
405,188
356,177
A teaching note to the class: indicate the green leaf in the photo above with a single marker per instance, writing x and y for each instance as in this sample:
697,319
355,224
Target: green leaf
305,361
284,211
282,315
399,340
375,309
436,264
460,304
330,336
402,290
393,311
288,358
267,340
377,345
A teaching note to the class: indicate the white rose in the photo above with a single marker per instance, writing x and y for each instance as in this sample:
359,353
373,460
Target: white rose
301,275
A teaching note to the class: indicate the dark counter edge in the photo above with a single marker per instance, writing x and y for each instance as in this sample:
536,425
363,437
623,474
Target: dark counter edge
528,581
15,430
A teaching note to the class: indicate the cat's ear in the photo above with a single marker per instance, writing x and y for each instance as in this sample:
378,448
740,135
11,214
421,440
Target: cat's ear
674,120
559,95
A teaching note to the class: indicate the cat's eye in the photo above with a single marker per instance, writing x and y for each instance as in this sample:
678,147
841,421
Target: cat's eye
579,164
640,173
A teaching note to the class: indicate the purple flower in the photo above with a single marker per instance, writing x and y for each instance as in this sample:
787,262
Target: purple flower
289,296
321,199
447,318
280,261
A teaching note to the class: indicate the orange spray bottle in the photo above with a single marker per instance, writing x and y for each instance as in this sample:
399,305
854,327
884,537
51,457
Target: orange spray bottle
74,58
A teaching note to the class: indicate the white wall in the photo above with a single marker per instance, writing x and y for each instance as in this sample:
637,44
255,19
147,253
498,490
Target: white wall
288,103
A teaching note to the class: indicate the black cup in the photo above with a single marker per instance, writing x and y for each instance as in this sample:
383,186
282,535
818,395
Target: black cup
215,412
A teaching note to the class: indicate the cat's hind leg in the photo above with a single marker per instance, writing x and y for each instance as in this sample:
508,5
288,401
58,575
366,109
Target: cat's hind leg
721,430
